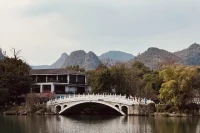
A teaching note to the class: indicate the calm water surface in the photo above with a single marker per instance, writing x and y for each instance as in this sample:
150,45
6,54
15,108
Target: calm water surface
97,124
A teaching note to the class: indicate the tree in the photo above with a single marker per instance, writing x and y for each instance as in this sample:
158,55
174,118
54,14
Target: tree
4,95
196,85
100,81
177,87
119,75
137,72
75,68
14,76
123,80
153,84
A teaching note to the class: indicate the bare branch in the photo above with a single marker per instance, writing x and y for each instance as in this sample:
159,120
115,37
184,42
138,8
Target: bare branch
15,53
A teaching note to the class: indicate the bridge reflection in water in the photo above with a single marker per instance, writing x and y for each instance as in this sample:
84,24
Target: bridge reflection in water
97,124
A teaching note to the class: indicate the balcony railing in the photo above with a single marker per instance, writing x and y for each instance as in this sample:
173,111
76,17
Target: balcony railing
51,80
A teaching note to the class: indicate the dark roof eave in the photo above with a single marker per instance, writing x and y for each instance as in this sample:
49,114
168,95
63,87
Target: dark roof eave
60,74
54,72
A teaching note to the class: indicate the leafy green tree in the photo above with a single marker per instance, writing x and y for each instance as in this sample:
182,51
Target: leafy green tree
14,76
121,79
153,84
4,95
119,76
196,84
100,81
141,80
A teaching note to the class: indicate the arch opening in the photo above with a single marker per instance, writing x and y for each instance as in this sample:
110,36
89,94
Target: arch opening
65,106
117,106
58,108
91,108
125,109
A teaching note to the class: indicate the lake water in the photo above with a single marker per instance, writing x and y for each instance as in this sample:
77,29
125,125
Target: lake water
97,124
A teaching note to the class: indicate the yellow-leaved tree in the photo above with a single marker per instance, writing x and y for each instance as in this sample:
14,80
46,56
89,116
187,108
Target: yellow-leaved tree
177,88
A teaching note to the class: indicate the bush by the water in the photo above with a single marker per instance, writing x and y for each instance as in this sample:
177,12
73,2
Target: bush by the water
191,108
151,108
160,108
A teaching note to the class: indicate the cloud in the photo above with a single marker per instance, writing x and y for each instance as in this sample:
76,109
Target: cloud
50,27
101,19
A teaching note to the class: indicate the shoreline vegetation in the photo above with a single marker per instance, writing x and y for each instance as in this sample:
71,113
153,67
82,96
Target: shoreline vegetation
33,106
174,88
41,109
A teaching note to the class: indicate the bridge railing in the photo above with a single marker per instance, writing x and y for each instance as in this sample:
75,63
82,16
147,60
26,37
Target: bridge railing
100,97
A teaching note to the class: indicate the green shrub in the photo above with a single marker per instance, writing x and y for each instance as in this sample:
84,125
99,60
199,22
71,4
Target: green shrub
160,108
151,108
191,108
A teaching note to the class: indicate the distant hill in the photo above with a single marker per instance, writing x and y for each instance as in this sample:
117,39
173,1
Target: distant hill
40,67
154,56
116,56
190,55
89,60
60,62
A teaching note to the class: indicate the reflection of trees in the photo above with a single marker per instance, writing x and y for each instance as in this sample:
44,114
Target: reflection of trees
139,124
22,124
32,124
174,125
9,124
92,124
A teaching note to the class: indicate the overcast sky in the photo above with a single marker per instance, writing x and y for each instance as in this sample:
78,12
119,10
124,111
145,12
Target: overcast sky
44,29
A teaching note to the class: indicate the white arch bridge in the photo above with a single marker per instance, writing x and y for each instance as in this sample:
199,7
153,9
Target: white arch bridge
119,103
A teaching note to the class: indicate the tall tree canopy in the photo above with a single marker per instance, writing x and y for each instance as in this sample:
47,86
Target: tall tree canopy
177,88
136,80
14,77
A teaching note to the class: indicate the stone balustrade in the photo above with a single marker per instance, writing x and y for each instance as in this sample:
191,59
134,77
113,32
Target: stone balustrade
101,97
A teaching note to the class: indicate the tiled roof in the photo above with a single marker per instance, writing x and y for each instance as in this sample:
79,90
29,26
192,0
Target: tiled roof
53,71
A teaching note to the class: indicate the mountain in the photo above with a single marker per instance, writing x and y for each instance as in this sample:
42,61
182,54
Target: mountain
190,55
89,61
75,58
116,56
154,56
1,54
40,67
60,62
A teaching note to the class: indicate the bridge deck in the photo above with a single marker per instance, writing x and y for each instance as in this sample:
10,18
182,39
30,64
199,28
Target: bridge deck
100,97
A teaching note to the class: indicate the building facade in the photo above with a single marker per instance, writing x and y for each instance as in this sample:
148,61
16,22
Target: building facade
59,81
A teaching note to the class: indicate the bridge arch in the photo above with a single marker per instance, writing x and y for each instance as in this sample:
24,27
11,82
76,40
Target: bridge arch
124,109
65,106
58,108
98,102
117,106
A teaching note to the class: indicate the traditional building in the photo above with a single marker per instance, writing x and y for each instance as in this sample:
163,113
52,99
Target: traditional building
59,81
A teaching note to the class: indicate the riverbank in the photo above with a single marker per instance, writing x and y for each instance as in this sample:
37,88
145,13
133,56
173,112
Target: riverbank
42,110
169,111
174,114
24,110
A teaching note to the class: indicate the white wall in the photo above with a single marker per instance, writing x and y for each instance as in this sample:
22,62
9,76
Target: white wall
70,89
